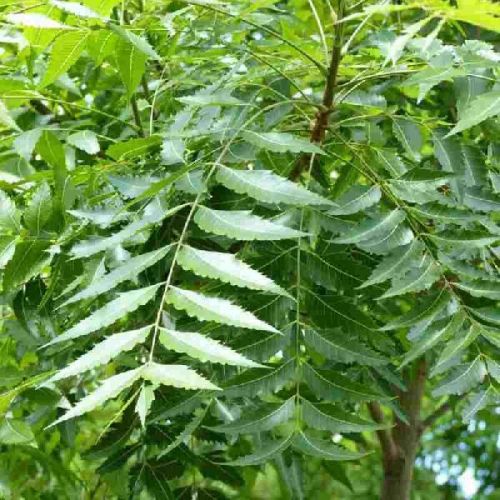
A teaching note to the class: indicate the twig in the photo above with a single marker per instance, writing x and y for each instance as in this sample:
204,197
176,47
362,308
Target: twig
137,116
323,114
133,100
389,448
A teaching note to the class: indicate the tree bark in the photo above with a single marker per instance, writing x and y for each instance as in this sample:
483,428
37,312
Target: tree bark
400,446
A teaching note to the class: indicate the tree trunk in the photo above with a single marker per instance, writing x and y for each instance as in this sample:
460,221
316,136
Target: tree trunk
400,446
398,470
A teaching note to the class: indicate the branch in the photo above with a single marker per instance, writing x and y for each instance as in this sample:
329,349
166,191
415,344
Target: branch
389,448
137,116
321,122
133,100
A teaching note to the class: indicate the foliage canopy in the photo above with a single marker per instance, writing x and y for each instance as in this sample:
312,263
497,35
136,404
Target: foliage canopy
238,235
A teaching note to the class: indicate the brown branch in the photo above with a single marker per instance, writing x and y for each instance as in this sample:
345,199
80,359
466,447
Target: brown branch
137,116
389,448
133,100
320,126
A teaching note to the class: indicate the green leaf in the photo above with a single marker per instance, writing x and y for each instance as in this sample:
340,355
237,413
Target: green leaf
133,148
475,169
8,396
65,52
416,280
6,118
260,380
222,98
391,162
330,385
102,353
76,9
192,182
144,402
482,200
429,308
263,418
203,348
138,42
131,63
127,271
422,179
180,376
35,20
409,135
477,402
110,388
266,186
480,288
242,225
267,451
396,48
154,213
214,309
155,476
7,249
372,227
448,152
481,108
493,369
437,332
14,431
460,341
495,181
28,259
357,199
186,432
327,417
130,187
281,142
336,345
463,378
386,242
488,314
304,442
51,150
102,7
39,210
463,268
394,264
24,144
113,311
100,217
9,215
362,98
259,345
449,155
226,268
445,214
430,77
465,239
337,471
101,44
331,311
86,140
